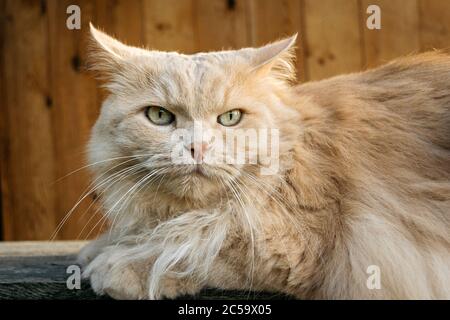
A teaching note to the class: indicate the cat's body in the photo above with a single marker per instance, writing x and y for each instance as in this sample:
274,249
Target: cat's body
363,185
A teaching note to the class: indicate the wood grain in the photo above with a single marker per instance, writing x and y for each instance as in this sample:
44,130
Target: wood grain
398,34
124,19
3,135
333,39
272,20
48,102
28,162
73,109
228,17
169,25
434,24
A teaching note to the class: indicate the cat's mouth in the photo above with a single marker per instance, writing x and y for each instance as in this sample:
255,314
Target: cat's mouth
204,171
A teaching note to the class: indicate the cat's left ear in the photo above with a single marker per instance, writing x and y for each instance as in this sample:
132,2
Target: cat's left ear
107,55
276,58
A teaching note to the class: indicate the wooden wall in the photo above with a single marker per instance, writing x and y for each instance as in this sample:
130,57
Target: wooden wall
48,103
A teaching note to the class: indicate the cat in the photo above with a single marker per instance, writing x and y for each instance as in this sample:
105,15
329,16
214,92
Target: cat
358,206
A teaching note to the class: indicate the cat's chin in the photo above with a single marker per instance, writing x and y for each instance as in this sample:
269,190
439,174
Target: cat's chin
199,189
197,182
200,172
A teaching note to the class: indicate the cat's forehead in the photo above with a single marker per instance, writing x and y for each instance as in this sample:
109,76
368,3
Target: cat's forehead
200,66
197,83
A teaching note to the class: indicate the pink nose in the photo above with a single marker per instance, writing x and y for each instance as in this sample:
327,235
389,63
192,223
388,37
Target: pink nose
198,150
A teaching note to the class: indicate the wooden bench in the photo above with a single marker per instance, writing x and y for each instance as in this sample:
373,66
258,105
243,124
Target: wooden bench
38,270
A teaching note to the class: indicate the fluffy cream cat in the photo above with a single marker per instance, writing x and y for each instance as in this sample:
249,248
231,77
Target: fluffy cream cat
358,205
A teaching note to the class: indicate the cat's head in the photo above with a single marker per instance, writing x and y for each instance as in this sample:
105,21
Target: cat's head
166,120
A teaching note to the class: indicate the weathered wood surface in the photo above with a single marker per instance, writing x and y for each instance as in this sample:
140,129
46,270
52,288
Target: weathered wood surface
37,270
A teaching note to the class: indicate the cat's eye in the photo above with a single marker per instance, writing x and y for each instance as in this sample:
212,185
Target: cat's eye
230,118
159,115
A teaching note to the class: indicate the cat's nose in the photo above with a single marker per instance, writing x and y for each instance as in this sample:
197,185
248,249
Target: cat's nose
198,150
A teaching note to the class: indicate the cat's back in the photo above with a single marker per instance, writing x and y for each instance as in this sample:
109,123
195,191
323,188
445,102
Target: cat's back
413,90
383,137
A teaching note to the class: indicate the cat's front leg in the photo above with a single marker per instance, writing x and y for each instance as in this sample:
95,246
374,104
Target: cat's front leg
122,273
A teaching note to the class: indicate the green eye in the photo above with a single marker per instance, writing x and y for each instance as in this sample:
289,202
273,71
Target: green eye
159,116
230,118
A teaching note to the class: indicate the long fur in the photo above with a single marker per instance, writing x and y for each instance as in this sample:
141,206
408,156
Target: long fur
364,181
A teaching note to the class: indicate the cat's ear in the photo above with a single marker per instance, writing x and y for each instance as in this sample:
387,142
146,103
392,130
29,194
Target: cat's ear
106,55
276,58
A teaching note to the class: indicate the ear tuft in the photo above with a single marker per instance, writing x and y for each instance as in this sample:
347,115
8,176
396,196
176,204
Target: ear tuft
105,54
277,59
104,42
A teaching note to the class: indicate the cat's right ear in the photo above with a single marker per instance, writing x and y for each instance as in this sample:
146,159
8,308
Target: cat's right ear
106,55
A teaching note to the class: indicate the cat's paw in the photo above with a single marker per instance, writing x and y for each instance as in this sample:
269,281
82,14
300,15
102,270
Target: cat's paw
88,253
110,275
91,250
117,275
171,288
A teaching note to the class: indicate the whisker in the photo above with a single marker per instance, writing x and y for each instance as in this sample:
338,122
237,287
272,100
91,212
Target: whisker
115,179
116,192
142,180
70,212
99,162
252,236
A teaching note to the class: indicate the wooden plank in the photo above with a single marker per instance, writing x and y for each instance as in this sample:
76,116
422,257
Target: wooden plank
272,20
28,163
227,16
333,40
169,25
122,19
40,278
37,270
3,135
434,24
398,34
40,248
74,109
